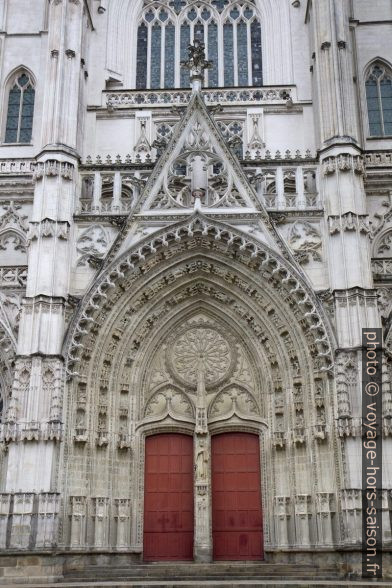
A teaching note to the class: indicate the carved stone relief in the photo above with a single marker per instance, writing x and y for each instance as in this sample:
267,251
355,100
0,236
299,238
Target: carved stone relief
92,243
13,234
305,241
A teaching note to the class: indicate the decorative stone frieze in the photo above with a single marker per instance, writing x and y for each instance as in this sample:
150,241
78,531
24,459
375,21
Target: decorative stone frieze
30,431
48,229
53,168
349,222
343,163
121,98
349,427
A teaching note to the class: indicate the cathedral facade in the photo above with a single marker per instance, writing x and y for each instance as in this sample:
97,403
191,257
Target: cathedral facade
196,225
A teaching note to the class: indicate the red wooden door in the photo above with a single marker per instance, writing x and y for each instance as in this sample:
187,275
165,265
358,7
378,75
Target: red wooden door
237,529
168,498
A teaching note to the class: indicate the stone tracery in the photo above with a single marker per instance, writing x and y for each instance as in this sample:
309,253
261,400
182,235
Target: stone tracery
139,345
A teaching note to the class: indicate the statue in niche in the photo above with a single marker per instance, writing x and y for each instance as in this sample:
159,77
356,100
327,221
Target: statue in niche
201,462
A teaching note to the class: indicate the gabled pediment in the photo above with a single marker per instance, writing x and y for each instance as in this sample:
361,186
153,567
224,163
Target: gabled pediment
197,164
197,171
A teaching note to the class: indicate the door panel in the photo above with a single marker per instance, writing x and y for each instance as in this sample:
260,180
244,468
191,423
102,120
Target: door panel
168,498
237,527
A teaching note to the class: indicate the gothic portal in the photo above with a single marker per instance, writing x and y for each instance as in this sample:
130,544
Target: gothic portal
195,226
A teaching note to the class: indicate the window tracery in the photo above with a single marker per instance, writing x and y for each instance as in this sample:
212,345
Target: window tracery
230,30
379,100
20,110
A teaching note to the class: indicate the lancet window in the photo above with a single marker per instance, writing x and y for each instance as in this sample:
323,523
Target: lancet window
230,30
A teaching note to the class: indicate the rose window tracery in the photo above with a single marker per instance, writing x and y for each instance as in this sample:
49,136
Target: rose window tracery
200,349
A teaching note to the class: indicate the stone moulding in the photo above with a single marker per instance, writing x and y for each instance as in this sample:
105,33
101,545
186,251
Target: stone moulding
281,269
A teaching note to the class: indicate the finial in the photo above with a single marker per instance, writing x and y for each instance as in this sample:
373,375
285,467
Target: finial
196,64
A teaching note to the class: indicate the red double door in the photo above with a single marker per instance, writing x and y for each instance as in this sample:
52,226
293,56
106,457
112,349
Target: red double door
236,498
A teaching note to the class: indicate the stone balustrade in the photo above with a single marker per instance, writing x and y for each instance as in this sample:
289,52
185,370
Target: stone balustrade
106,190
153,98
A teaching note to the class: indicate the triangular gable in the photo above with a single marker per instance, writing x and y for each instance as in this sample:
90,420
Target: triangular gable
169,188
197,158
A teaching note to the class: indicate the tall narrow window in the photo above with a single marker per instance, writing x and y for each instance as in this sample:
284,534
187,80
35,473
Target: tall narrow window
230,30
228,53
19,124
379,100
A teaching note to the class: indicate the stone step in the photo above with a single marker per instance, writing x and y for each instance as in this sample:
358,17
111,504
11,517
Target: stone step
197,569
202,572
189,578
291,583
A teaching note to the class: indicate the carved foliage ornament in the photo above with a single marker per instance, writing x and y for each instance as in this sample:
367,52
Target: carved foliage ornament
305,240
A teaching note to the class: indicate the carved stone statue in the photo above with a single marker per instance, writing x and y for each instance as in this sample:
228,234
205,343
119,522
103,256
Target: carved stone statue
201,462
196,63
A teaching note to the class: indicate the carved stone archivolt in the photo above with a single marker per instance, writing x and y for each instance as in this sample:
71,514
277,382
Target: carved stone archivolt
192,331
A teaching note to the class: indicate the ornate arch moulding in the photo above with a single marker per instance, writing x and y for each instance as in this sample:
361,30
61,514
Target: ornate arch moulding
252,251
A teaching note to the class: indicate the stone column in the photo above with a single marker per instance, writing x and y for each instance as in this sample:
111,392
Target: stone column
203,535
36,405
202,449
346,212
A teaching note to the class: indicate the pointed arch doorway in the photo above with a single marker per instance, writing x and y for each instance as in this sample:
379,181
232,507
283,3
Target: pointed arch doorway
168,498
237,528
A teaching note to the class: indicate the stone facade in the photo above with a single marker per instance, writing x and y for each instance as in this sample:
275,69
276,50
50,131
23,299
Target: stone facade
190,260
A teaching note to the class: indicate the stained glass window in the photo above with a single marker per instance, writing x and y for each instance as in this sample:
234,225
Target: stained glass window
379,100
228,53
230,30
19,125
